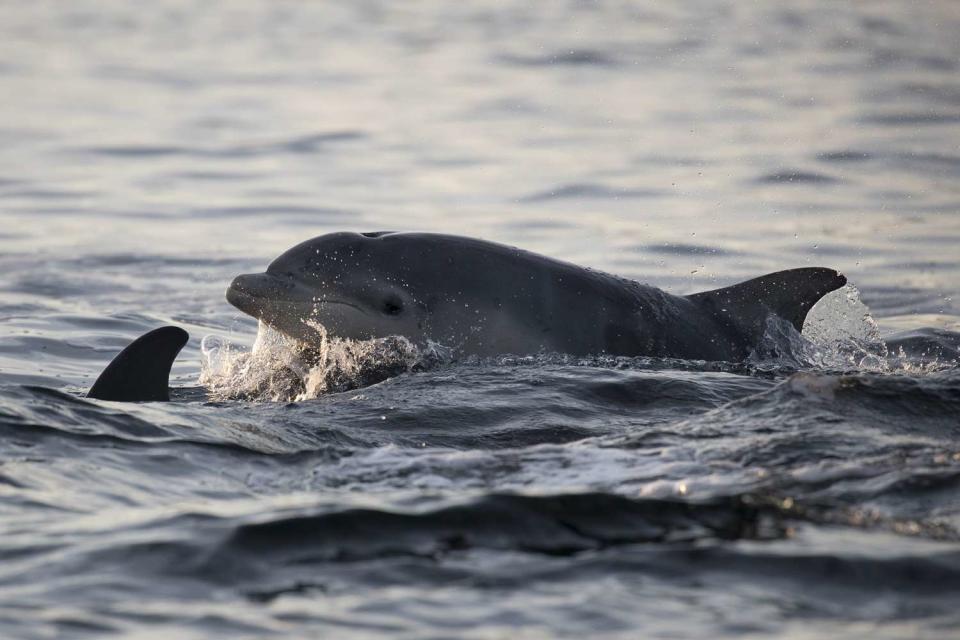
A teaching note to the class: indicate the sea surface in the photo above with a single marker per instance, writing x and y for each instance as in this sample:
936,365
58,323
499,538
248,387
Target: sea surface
150,152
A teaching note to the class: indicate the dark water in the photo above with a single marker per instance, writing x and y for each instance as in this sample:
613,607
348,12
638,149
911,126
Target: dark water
149,153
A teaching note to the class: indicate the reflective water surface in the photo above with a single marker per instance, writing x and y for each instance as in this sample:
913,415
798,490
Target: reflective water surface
151,152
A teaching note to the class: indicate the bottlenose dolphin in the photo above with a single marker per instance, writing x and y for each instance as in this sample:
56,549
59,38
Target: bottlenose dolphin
483,298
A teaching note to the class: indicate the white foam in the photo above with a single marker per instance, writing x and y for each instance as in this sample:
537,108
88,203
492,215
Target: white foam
279,368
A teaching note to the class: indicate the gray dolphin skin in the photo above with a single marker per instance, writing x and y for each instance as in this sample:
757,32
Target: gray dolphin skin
484,298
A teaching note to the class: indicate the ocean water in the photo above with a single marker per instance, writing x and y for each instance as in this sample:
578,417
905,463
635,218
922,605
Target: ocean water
150,152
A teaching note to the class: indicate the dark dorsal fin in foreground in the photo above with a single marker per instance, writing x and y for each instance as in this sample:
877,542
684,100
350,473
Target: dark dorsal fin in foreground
141,372
788,294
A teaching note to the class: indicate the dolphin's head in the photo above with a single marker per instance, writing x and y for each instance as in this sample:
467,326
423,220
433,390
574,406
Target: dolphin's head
353,284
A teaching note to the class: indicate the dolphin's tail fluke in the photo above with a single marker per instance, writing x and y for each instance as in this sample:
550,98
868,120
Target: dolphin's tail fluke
788,294
141,372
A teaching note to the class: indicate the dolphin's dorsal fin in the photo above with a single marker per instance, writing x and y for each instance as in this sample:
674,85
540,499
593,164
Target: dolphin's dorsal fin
141,372
788,294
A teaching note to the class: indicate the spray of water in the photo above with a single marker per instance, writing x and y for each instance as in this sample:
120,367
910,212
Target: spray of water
844,332
279,368
839,333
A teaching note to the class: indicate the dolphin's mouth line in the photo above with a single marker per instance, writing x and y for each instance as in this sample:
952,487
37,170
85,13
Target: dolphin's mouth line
340,302
263,300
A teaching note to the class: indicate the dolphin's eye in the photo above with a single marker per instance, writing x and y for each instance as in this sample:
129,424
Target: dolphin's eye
393,306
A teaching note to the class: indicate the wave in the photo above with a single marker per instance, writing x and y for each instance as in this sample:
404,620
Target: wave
569,57
591,191
304,144
796,177
227,548
551,525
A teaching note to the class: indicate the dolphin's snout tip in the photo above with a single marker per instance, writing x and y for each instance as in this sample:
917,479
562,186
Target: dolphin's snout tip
236,286
243,289
239,284
257,293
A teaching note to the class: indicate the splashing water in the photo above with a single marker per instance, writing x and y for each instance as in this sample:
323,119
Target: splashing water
844,332
279,368
839,333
